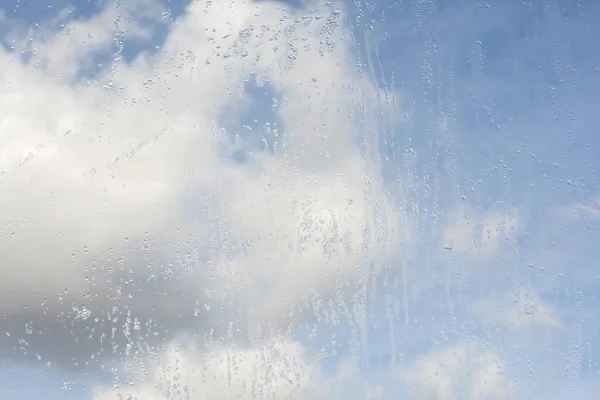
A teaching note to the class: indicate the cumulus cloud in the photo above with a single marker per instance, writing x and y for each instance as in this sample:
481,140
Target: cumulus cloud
278,369
479,234
521,309
119,201
586,211
470,369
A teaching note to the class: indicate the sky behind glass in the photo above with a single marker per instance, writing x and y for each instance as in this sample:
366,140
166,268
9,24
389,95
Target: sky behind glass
398,199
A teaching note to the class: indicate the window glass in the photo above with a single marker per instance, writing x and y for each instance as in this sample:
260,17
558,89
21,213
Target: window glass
236,199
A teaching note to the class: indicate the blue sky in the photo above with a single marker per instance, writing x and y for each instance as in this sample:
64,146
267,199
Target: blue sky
476,133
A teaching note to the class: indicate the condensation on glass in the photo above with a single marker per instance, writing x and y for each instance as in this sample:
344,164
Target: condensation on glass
299,199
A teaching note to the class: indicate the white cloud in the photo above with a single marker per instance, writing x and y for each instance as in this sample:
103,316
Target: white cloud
65,47
111,183
581,211
469,369
479,234
522,309
303,235
278,369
